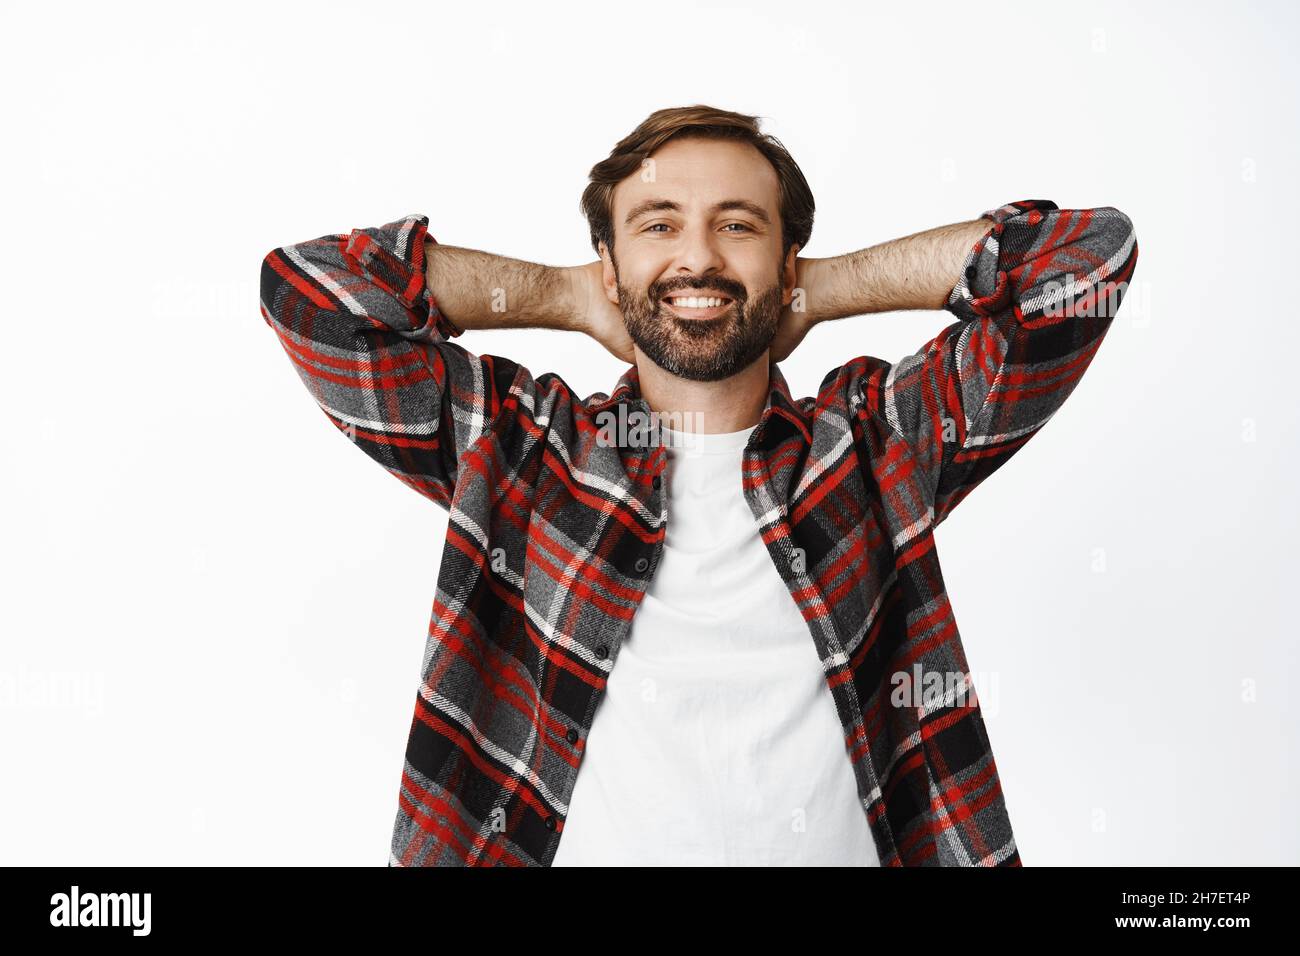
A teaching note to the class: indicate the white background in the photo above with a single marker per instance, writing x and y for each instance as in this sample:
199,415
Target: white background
214,608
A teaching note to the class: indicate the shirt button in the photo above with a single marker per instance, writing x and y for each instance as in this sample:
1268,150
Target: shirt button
656,483
641,564
572,735
602,651
550,823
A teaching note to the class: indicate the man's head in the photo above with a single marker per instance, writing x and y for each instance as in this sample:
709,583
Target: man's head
697,202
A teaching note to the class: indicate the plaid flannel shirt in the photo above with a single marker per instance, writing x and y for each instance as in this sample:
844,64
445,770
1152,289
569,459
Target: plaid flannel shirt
554,534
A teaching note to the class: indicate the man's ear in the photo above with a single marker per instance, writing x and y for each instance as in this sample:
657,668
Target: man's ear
609,278
789,274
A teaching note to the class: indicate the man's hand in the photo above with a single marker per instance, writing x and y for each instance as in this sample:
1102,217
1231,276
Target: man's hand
594,314
797,317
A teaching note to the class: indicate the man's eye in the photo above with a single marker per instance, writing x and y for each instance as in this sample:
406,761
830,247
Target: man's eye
655,225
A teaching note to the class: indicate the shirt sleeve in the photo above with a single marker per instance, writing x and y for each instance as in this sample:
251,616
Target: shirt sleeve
1036,295
364,333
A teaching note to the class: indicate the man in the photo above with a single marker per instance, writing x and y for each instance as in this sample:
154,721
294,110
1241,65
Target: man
791,686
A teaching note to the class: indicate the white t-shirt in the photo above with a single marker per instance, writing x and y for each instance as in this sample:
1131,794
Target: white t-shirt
717,741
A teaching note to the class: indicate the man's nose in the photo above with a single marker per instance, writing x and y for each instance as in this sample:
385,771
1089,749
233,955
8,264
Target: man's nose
699,252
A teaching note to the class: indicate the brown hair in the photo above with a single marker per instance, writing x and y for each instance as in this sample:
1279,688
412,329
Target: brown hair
797,204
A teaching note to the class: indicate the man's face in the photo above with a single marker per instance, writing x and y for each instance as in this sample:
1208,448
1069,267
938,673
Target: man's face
700,223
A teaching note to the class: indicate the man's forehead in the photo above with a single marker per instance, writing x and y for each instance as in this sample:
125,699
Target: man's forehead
698,180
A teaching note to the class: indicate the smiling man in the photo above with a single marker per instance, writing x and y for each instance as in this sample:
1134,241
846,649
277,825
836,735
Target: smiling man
765,580
684,290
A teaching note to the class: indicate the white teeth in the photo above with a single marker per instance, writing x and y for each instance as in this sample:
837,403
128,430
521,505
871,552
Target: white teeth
695,302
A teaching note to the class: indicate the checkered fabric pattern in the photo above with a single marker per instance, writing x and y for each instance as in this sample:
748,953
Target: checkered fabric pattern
555,531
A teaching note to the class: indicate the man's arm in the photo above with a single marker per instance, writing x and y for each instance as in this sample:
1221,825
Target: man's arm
914,272
479,290
361,316
1034,288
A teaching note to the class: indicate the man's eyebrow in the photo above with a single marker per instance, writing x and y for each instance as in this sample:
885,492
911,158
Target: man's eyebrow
657,205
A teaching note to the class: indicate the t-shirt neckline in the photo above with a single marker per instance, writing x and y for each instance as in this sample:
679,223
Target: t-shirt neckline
706,443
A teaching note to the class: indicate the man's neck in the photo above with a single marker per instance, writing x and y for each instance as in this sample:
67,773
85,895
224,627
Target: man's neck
727,405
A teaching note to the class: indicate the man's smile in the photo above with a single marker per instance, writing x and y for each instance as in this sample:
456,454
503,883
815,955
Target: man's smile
690,305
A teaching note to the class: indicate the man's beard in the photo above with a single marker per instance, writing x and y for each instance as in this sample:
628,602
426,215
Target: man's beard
702,350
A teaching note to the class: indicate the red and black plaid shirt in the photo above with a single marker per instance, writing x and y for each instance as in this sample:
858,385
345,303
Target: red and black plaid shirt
554,532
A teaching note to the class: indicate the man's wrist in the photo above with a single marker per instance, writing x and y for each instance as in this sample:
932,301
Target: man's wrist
571,307
808,301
